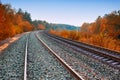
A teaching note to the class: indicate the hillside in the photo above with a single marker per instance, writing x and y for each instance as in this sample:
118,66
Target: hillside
49,26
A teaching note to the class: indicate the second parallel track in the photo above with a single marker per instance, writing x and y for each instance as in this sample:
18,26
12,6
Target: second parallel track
105,56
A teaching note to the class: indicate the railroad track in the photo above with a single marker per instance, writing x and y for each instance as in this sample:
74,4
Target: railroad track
63,63
33,61
68,68
105,56
29,59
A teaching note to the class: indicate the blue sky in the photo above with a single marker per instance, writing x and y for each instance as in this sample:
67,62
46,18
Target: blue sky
74,12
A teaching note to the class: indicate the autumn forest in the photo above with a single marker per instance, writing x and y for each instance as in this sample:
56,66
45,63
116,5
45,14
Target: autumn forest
104,32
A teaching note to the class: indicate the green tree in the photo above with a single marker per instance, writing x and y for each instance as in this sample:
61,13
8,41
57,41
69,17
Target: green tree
27,17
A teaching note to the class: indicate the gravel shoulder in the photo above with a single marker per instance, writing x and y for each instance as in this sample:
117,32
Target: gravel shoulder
12,60
5,43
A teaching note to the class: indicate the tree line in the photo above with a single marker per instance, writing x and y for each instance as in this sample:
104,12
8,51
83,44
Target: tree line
108,25
14,22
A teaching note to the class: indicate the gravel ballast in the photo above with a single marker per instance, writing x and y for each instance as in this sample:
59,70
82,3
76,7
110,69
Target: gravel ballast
12,60
42,65
102,71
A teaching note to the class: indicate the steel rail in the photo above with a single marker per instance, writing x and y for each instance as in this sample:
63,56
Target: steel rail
69,69
116,58
76,44
25,59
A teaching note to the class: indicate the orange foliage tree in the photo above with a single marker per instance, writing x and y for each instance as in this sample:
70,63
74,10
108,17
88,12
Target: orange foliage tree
6,27
104,32
12,23
41,27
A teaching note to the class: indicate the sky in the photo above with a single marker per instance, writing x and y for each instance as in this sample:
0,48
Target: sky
73,12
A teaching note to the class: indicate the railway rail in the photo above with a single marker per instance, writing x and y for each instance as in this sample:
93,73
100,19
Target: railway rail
105,56
28,59
64,64
113,59
69,69
25,60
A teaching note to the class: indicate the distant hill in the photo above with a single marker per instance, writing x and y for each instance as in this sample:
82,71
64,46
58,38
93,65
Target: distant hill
49,26
64,26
